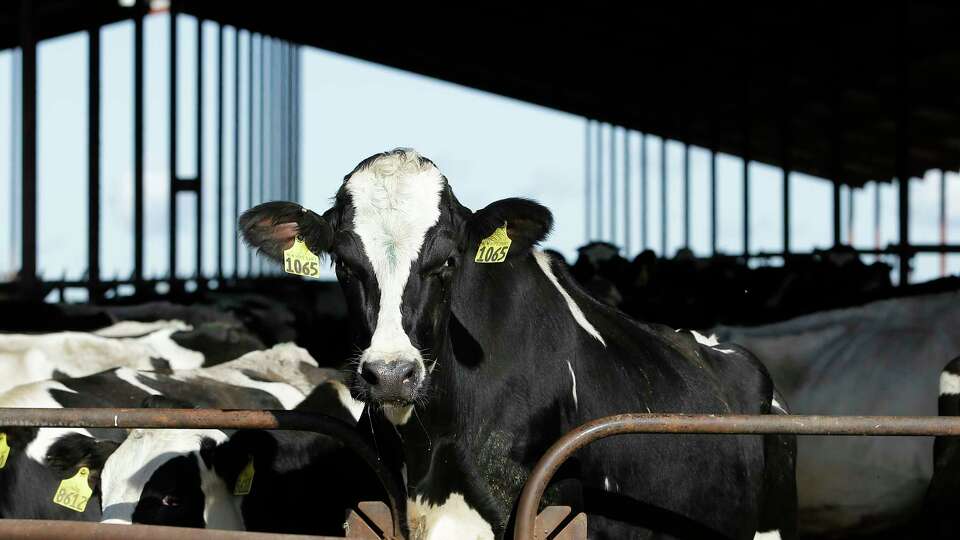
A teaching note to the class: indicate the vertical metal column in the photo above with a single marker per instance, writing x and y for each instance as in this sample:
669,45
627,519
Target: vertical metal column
138,165
664,210
902,153
943,221
93,164
786,146
643,193
587,185
296,123
264,45
220,134
250,201
282,121
876,215
28,144
627,244
15,158
837,227
599,182
714,162
236,148
613,184
747,143
686,196
291,108
850,215
198,273
172,230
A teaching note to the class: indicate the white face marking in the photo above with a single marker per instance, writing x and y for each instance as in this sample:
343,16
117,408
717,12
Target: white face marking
574,390
725,351
395,202
543,261
704,340
127,471
452,519
37,395
343,394
770,535
949,384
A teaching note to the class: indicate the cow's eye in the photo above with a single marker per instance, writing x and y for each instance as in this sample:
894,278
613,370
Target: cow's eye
170,500
449,263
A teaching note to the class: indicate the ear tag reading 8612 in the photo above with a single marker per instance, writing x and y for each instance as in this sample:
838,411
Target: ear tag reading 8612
494,248
244,480
74,492
4,450
299,260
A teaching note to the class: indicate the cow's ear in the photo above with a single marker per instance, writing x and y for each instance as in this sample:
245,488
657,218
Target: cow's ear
233,456
272,227
72,451
527,221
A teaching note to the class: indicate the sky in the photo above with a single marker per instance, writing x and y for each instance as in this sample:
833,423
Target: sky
488,146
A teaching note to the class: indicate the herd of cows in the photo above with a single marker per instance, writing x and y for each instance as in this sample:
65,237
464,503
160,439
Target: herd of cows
461,371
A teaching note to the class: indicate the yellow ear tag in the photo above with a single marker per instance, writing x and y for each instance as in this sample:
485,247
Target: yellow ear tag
299,260
74,493
4,450
244,480
494,248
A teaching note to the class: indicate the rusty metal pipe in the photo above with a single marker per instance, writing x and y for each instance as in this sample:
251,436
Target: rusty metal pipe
215,419
601,428
31,529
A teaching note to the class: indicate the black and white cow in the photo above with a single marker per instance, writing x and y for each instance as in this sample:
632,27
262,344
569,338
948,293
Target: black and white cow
480,367
303,483
170,344
149,461
941,509
847,361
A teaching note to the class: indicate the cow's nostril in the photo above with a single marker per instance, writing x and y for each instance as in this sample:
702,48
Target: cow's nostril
369,375
407,372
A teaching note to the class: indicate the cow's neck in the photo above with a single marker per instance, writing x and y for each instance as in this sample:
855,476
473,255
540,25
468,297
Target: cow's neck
497,374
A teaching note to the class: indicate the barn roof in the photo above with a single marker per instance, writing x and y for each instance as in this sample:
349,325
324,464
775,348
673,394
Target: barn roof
827,89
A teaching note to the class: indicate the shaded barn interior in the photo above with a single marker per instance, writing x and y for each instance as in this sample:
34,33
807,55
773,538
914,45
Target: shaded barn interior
855,95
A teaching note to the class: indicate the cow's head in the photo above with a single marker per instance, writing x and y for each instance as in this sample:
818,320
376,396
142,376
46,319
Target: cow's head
169,477
398,238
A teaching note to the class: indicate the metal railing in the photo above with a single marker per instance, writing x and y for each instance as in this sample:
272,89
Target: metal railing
622,424
191,419
529,525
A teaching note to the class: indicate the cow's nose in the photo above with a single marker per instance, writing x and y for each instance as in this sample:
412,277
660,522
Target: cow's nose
391,381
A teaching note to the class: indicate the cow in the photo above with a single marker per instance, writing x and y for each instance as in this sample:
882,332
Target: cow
303,483
283,377
882,358
480,366
170,344
941,508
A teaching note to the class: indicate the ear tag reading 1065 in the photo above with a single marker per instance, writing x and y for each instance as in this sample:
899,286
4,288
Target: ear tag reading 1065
244,480
4,450
299,260
74,493
494,248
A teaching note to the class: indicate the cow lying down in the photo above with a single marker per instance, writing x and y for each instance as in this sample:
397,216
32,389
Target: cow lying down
189,477
165,344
